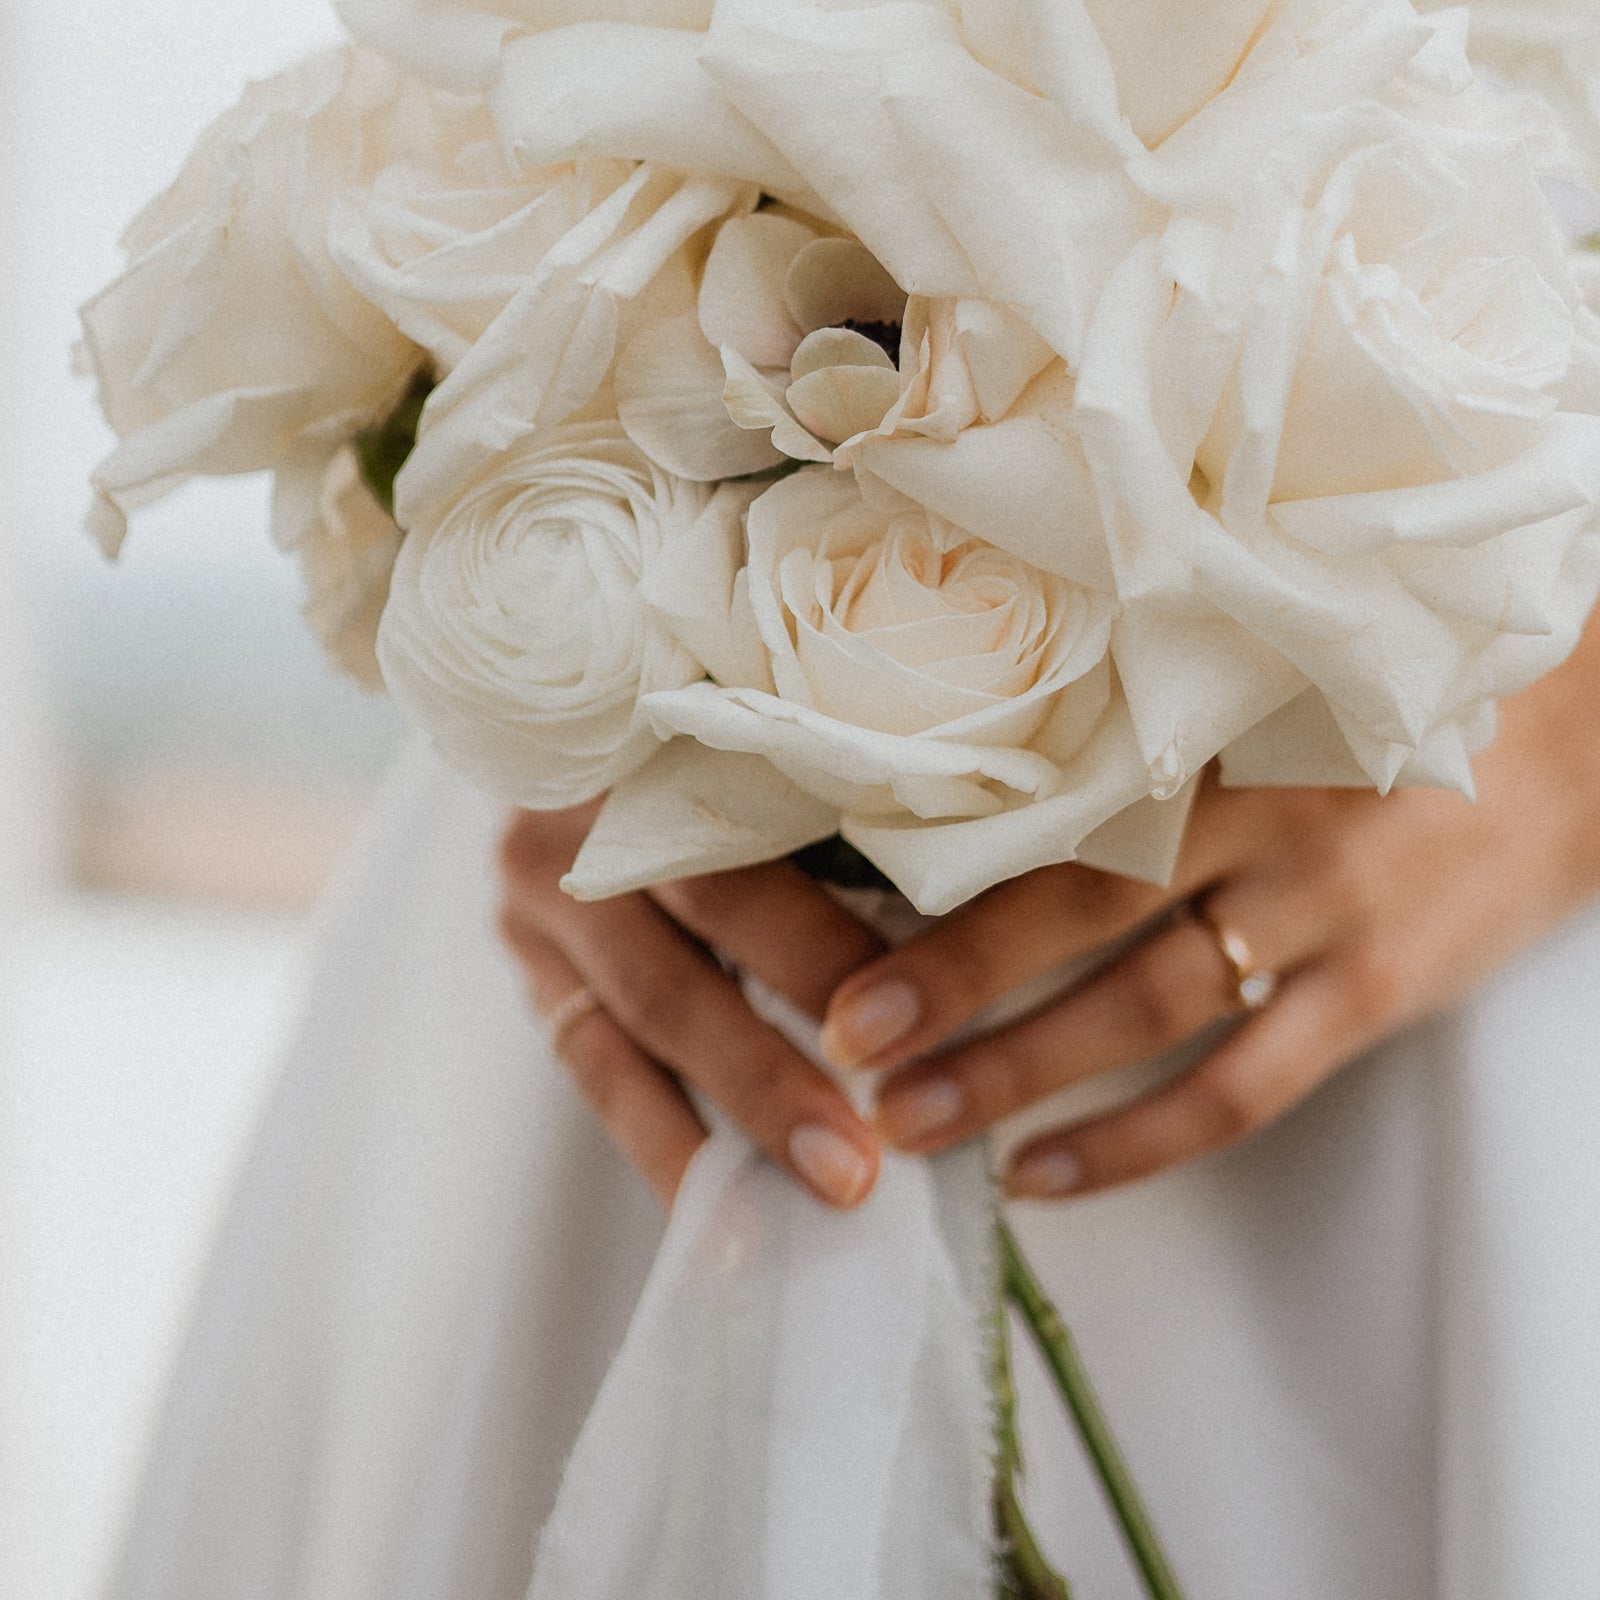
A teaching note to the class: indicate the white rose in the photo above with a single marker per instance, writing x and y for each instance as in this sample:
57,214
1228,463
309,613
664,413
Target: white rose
519,633
1345,402
989,142
458,42
619,79
953,704
548,358
233,343
443,239
346,559
1550,48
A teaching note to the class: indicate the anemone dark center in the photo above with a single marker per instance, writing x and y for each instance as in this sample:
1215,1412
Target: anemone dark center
886,335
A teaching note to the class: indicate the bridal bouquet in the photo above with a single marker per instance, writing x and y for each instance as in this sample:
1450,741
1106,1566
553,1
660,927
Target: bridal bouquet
950,425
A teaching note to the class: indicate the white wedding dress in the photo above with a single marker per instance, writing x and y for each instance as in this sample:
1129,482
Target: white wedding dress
1358,1357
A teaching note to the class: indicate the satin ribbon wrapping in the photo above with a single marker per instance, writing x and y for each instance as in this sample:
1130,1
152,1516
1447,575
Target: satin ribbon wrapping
801,1409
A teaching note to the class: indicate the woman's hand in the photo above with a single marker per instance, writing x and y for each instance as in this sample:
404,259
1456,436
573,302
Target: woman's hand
668,1012
1370,911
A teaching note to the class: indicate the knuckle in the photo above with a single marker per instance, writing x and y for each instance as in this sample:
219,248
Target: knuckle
1230,1108
761,1089
513,931
1102,898
1161,980
695,901
1343,873
656,1013
524,852
964,969
1008,1076
1376,986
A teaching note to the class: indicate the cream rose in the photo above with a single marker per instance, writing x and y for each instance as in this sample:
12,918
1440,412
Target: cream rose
619,79
1345,401
443,239
458,42
233,342
988,142
917,679
548,358
519,633
1550,48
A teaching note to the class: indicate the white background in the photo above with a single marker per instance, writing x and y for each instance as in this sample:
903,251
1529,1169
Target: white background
135,1034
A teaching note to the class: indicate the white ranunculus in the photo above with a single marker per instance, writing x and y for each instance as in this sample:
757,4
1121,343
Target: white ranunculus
1345,402
346,559
233,343
954,705
520,632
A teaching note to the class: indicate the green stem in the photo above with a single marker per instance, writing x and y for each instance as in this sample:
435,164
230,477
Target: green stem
1026,1573
1060,1353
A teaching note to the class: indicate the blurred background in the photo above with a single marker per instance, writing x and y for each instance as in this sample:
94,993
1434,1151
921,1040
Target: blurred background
180,775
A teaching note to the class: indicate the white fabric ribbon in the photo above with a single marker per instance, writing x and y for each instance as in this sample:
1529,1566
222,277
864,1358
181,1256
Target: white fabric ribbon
801,1408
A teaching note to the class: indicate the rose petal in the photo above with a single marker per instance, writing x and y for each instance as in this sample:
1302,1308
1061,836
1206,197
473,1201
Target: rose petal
637,93
690,811
938,866
1002,353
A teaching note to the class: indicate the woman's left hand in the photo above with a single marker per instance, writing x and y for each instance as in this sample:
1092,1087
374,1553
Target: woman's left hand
1368,911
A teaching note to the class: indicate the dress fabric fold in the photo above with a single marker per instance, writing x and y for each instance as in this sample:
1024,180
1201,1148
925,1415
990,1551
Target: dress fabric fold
1358,1355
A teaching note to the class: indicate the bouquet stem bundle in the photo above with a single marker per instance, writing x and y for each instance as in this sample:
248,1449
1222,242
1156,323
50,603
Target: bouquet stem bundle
1027,1575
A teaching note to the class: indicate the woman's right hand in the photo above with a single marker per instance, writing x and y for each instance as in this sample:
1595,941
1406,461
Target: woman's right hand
669,1015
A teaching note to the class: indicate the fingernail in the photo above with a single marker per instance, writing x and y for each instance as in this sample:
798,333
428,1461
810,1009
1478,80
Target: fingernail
916,1115
1048,1176
833,1166
870,1023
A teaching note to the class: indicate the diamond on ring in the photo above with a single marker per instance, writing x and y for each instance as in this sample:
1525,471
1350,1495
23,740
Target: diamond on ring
1253,986
1256,988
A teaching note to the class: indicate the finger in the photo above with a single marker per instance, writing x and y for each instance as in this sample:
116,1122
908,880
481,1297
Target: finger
775,923
537,850
1161,992
643,1110
906,1003
1270,1063
682,1010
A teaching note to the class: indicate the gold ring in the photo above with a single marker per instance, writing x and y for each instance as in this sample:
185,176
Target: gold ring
566,1016
1253,986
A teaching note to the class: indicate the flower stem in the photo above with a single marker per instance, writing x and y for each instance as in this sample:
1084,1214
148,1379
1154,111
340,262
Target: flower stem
1060,1352
1025,1573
